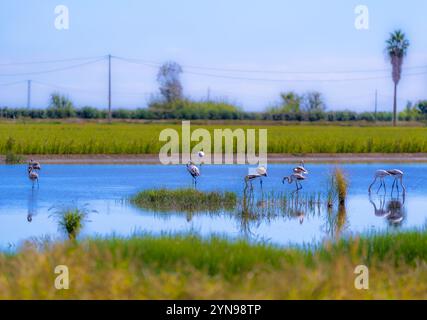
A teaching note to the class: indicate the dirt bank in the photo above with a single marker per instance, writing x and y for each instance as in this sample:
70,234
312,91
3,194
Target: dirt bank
272,158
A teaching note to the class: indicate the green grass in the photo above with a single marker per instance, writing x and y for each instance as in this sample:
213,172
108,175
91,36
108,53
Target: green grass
187,267
134,138
187,200
71,221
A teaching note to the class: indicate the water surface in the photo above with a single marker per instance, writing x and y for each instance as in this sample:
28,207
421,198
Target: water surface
27,213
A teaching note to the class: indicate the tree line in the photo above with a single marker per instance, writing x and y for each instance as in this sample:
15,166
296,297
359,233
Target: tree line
171,103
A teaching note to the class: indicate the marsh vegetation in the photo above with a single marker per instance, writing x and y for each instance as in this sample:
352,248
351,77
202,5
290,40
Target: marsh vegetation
188,267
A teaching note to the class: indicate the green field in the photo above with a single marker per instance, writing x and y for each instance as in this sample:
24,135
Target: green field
134,138
186,267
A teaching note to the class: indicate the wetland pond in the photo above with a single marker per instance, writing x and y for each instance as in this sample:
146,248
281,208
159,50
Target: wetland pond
26,213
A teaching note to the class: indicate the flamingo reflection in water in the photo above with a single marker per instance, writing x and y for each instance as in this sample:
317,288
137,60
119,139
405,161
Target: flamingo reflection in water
32,205
393,209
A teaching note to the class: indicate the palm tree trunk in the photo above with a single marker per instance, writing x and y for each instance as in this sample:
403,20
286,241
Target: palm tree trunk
395,105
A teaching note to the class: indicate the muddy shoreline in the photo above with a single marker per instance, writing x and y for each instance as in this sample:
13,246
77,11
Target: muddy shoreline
272,158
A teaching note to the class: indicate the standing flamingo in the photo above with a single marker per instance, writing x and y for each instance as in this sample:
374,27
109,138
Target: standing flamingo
260,172
33,176
300,169
379,174
34,164
194,171
297,177
397,175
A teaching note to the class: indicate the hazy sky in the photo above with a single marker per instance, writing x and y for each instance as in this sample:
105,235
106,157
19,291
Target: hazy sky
281,36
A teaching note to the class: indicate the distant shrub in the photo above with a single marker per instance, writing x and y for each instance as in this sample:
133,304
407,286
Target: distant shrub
91,113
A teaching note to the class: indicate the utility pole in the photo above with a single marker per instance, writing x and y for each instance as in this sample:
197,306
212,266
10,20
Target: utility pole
28,94
209,94
376,104
109,88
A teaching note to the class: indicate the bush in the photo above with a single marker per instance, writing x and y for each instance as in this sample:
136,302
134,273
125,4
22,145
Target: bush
91,113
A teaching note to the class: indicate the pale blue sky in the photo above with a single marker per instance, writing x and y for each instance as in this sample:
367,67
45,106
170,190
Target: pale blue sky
296,36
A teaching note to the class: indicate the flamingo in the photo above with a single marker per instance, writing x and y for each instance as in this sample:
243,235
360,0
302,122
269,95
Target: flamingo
300,169
35,165
260,172
33,176
379,174
397,175
297,177
193,170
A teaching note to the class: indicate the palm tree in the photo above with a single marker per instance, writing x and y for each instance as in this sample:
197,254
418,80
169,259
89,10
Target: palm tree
397,47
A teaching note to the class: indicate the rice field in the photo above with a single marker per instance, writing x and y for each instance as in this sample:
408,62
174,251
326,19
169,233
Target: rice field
133,138
187,267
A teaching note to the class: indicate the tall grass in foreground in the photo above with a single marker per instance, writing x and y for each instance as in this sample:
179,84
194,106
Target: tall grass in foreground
119,138
187,267
187,200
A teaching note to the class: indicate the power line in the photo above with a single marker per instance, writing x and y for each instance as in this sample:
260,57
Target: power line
277,80
47,61
51,70
11,83
68,88
157,64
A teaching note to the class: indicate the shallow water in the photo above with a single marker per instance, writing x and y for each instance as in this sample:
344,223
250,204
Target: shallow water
105,188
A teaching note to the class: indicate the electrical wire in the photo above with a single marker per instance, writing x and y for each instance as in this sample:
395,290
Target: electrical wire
47,61
51,70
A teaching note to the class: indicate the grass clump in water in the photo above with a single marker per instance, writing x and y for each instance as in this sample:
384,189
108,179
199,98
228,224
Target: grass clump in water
188,200
338,187
71,221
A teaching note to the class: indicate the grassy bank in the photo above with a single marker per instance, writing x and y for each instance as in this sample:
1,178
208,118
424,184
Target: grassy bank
133,138
186,267
188,200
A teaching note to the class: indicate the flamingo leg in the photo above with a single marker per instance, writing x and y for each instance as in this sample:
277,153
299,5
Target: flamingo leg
401,184
373,182
381,184
393,185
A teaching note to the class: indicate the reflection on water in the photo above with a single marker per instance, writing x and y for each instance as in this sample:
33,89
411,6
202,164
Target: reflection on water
32,204
270,213
392,209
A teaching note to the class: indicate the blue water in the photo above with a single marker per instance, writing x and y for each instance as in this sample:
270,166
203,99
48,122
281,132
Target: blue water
26,213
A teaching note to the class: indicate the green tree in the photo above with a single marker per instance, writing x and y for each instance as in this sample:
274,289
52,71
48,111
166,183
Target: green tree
60,107
422,107
397,48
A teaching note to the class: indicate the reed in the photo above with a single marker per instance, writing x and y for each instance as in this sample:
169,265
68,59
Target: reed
337,187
